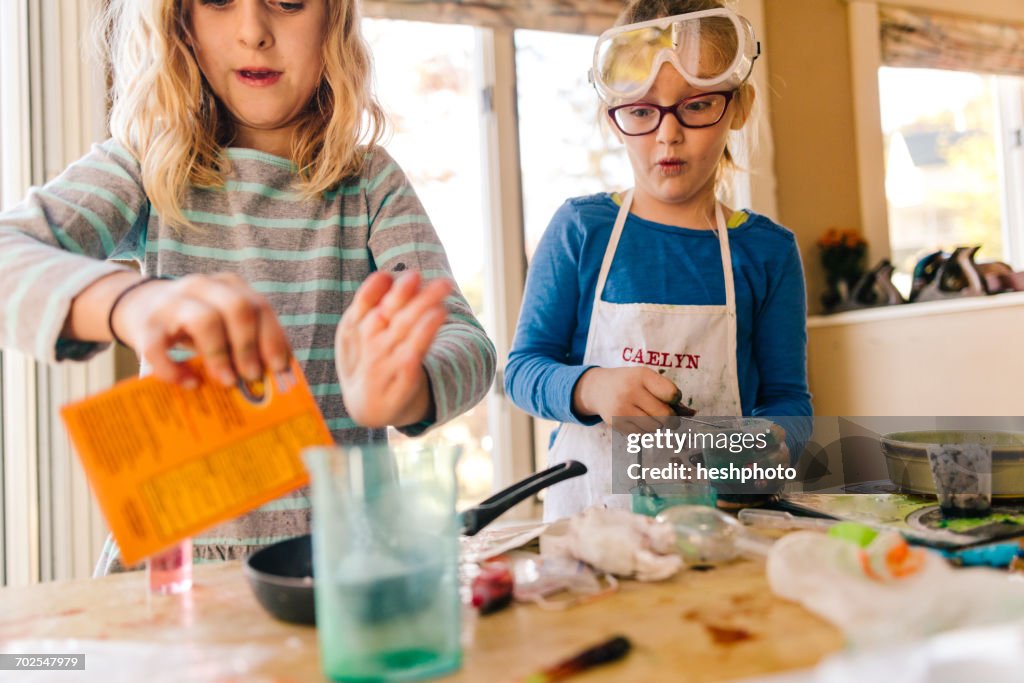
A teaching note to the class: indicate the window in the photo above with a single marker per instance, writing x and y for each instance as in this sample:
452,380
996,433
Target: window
565,151
14,369
952,156
51,109
950,87
432,97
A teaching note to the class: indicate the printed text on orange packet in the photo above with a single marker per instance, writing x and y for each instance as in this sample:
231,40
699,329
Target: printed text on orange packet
166,463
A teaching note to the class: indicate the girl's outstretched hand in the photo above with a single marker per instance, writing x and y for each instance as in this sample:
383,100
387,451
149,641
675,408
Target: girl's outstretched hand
380,344
637,394
231,327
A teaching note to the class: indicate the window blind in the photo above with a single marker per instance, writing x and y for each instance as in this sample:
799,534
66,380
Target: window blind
924,39
565,16
51,109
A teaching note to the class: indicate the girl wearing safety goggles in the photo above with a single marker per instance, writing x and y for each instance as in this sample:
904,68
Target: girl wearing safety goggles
660,297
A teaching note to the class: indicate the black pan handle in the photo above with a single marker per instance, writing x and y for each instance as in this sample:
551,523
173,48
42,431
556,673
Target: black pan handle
476,518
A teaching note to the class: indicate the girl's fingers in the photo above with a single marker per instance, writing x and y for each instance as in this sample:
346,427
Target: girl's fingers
416,343
652,405
367,297
372,324
347,345
429,297
430,294
406,359
404,289
210,339
154,348
383,337
661,387
239,313
196,324
229,326
257,339
274,348
439,289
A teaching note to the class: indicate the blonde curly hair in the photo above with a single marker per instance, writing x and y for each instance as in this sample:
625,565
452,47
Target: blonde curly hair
165,114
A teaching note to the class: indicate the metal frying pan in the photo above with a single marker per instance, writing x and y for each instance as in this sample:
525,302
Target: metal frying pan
281,575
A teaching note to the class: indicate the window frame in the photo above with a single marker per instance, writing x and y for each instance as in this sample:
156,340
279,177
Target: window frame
866,60
506,275
1011,109
50,525
19,552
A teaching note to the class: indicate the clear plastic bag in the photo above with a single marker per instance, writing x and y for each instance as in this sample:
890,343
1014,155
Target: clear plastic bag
539,579
875,600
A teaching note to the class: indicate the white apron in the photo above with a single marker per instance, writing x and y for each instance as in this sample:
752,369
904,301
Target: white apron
694,345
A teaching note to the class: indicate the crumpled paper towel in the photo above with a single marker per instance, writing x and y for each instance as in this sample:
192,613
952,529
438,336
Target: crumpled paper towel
615,541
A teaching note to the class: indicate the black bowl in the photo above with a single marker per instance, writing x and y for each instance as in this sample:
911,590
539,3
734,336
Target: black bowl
281,576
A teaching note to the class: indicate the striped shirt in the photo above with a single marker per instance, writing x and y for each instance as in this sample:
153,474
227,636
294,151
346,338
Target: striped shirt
307,256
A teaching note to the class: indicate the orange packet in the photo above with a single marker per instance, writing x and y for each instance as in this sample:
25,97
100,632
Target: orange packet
166,463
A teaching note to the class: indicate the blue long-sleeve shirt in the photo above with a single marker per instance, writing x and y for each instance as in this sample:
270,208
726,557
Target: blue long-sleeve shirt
657,263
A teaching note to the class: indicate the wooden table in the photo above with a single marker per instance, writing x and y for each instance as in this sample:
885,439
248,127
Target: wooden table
700,626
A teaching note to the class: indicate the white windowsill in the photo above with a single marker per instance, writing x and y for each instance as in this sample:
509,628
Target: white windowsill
928,308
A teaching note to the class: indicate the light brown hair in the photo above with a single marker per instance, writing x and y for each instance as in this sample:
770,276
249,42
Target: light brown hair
647,10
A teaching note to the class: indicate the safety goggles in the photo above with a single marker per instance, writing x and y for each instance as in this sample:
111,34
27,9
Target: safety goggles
713,50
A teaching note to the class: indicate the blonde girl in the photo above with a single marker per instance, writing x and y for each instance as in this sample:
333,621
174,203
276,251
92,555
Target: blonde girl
244,177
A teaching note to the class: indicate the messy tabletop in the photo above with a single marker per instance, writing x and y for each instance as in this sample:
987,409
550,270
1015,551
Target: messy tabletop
719,624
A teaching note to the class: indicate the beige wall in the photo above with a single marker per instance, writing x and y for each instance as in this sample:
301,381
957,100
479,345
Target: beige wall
807,43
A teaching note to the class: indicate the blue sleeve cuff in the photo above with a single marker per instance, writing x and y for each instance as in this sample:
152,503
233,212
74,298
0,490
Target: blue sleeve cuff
417,428
73,349
565,379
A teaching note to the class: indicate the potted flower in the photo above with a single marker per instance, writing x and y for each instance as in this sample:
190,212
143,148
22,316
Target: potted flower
843,255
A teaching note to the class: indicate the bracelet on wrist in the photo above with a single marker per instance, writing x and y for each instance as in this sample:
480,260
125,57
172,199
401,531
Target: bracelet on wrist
119,297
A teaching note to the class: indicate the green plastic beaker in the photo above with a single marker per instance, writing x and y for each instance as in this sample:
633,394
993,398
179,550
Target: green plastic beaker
651,499
385,557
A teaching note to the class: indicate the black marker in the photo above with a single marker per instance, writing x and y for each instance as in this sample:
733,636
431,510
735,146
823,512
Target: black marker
608,651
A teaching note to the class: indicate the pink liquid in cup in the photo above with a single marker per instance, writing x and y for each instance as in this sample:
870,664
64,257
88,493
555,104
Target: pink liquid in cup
170,571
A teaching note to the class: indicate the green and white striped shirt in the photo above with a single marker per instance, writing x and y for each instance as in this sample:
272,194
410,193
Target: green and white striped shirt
307,256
